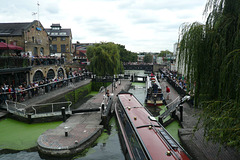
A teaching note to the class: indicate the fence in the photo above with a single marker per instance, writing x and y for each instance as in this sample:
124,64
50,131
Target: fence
38,110
17,62
21,95
16,108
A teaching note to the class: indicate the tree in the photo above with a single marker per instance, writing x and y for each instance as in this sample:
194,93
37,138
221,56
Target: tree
148,58
104,58
127,56
165,53
211,54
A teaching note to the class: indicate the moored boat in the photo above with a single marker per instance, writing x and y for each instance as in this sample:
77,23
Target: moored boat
142,137
154,92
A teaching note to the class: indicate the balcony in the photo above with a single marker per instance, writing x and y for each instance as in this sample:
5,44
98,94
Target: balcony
7,62
14,62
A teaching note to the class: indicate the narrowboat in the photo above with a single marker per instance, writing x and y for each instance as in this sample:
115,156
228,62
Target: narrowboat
142,136
154,95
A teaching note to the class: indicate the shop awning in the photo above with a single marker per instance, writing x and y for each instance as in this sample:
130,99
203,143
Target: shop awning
5,46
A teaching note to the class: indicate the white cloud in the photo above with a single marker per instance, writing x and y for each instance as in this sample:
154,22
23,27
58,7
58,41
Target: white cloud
140,25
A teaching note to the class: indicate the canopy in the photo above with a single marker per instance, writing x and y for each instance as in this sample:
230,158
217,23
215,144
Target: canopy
5,46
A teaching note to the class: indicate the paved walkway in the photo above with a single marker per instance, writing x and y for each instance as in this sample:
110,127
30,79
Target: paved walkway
45,98
195,144
83,130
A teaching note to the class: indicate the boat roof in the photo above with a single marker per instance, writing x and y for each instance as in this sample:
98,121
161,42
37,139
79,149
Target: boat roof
155,138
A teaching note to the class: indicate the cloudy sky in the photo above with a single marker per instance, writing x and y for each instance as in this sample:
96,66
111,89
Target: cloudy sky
140,25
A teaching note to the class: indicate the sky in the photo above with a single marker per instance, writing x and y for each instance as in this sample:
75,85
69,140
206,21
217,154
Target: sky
139,25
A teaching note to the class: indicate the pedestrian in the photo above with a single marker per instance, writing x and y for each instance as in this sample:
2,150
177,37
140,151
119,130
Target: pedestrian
168,92
107,93
162,76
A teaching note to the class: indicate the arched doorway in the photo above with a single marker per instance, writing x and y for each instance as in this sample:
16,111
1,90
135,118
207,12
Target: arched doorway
50,74
60,73
38,76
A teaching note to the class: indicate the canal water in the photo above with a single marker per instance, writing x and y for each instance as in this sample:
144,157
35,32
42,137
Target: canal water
106,147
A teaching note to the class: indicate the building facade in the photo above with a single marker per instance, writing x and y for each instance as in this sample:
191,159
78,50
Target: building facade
31,36
61,40
80,52
34,62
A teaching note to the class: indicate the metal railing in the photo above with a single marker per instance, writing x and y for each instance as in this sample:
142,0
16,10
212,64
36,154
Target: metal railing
16,61
16,108
171,107
19,96
38,110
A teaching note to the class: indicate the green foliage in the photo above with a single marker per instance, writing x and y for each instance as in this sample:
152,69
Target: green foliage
164,53
97,85
148,58
127,56
211,55
104,58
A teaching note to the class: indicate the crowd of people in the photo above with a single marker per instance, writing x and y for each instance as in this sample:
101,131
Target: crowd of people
23,91
178,79
180,84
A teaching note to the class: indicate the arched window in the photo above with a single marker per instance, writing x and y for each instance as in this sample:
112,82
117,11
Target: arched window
38,76
50,74
60,73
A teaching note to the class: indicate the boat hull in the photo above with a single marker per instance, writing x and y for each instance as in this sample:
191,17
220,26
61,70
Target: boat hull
142,137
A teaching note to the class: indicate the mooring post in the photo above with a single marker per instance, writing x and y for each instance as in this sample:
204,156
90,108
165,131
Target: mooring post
66,131
181,113
160,120
29,118
173,114
63,114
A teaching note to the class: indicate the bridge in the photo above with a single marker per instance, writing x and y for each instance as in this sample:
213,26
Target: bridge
138,66
148,67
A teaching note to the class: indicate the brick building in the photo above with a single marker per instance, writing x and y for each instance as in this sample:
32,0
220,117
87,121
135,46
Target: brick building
61,43
31,36
34,40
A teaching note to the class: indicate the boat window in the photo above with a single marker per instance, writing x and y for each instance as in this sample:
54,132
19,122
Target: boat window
136,147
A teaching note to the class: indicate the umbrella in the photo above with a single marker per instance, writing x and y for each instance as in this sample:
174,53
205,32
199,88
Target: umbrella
5,46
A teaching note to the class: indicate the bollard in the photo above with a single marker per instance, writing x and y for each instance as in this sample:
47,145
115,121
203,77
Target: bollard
181,113
29,118
160,120
102,107
173,114
66,131
63,114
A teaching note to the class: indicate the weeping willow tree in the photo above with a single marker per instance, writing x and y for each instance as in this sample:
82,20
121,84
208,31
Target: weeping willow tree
211,56
104,58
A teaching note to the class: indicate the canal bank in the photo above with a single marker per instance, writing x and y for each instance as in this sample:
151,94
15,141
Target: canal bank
194,142
82,129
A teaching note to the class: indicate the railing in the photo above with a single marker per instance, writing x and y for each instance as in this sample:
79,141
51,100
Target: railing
16,108
13,62
17,62
178,88
49,109
38,111
173,106
19,96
